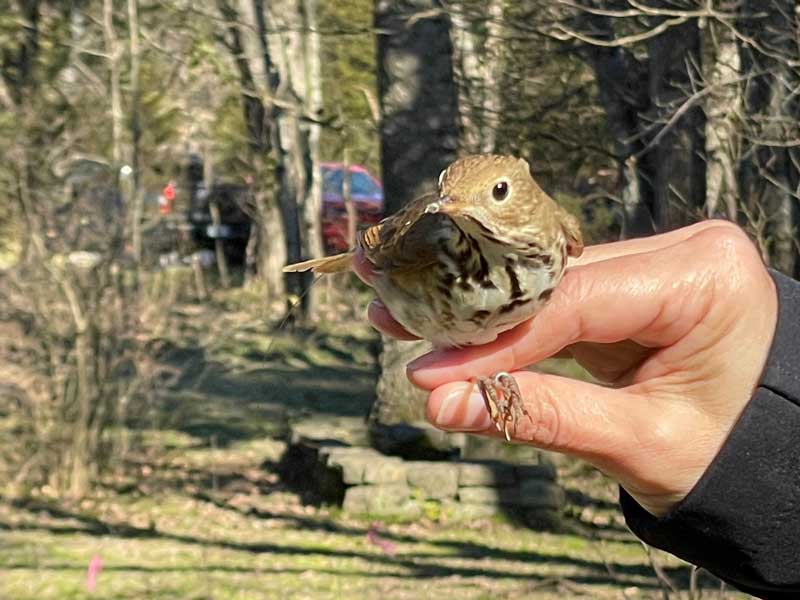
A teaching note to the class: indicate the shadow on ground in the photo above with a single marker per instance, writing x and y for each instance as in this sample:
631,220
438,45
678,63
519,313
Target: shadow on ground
206,515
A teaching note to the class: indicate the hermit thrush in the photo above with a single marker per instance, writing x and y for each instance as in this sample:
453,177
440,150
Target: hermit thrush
460,267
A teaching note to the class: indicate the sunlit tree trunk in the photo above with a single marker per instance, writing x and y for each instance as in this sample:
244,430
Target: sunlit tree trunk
277,57
478,67
295,48
724,114
267,247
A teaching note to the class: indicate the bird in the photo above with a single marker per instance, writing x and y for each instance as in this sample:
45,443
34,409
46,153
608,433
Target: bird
460,266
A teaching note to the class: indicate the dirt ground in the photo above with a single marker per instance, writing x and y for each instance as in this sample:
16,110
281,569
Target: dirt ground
201,513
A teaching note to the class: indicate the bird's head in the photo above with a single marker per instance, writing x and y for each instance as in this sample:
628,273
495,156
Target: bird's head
492,192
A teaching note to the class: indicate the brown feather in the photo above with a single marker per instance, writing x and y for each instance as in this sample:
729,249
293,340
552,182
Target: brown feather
327,264
402,242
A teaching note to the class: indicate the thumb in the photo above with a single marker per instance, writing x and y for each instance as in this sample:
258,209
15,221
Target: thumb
592,422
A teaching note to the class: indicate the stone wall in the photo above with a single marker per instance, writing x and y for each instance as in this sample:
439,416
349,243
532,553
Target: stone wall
364,481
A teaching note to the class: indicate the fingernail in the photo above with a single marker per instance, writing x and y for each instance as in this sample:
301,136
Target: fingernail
424,361
463,409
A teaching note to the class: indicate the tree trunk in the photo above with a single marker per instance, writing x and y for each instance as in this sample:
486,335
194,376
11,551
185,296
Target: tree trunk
723,112
216,217
678,147
266,249
418,139
271,245
137,193
290,78
113,52
659,124
478,66
418,97
622,92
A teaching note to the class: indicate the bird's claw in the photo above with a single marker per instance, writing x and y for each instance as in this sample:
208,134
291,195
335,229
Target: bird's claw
503,400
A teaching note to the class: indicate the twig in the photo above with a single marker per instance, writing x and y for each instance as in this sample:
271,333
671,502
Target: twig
622,41
664,581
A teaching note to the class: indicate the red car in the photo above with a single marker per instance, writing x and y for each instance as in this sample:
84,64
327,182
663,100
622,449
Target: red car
367,195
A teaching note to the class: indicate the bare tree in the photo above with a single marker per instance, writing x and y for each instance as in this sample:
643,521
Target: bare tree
137,193
292,39
769,42
699,96
277,57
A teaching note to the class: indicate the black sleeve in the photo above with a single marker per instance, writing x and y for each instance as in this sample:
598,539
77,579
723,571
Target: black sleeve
742,519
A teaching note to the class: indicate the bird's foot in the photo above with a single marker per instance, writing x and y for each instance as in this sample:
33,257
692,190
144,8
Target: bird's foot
503,400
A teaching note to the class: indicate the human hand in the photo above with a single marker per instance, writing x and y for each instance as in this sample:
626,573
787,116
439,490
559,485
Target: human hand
677,325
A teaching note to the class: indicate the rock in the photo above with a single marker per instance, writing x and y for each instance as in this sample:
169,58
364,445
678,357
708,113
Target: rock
452,510
435,480
385,470
485,448
535,493
543,519
488,495
350,468
529,494
355,465
544,472
389,500
328,452
356,499
414,441
344,431
493,474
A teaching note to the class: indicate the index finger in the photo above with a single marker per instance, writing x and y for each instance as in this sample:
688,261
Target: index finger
610,250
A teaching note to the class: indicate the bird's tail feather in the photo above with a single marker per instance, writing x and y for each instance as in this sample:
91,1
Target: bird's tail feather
327,264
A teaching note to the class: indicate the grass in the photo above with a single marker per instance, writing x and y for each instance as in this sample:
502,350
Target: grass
226,544
200,512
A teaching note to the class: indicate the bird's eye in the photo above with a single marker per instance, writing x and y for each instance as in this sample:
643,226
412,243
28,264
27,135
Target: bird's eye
500,191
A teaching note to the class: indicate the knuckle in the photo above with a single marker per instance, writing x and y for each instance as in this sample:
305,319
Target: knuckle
733,257
726,237
545,421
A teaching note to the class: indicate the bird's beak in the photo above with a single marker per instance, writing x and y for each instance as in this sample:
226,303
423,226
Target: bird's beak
444,205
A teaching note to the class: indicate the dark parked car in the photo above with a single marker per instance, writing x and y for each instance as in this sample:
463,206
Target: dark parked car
367,195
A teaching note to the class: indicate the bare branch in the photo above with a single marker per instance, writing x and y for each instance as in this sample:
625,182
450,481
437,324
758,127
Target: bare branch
568,33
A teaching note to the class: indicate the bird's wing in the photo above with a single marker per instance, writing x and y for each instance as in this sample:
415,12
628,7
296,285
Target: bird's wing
404,240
